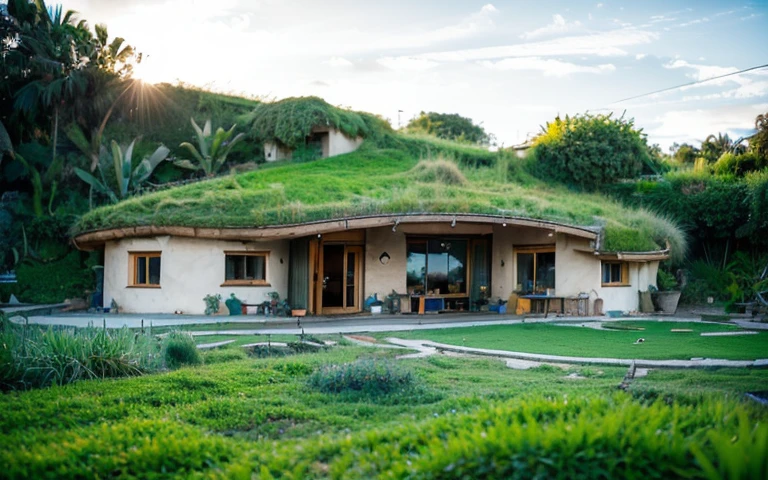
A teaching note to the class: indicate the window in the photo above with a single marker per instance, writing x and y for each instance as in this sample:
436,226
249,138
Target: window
144,269
615,274
437,266
535,270
245,268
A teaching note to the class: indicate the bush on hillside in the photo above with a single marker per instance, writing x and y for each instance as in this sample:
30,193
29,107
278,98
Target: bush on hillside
590,150
438,171
739,165
179,349
369,376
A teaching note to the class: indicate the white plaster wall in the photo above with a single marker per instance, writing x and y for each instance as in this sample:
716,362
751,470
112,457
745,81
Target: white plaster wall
273,152
338,143
382,279
190,270
575,272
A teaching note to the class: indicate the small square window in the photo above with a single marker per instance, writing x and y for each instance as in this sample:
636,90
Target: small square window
615,274
144,269
245,268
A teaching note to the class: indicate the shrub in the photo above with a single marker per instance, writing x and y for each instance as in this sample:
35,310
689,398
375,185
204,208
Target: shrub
33,357
590,150
373,377
666,281
179,349
222,355
438,171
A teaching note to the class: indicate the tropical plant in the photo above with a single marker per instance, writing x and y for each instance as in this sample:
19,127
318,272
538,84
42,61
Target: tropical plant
126,176
759,141
212,149
714,146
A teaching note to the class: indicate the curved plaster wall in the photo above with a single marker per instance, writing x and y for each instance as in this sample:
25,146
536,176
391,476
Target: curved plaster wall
190,270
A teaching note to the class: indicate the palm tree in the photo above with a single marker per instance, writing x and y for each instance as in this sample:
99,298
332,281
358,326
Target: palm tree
714,146
212,150
48,39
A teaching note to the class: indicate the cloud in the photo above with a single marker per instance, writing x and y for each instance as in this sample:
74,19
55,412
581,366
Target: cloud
602,44
549,67
407,64
338,62
472,25
640,56
558,26
697,124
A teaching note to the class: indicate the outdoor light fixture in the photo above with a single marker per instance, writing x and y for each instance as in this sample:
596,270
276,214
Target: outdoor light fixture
394,228
384,258
504,224
453,222
551,234
502,262
319,236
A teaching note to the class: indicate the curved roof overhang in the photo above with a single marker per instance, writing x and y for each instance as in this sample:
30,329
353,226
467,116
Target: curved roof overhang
94,239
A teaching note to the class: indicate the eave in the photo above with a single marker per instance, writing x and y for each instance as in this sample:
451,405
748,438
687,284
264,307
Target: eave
95,239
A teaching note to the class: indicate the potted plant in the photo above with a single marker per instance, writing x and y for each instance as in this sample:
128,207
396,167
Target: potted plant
666,296
298,312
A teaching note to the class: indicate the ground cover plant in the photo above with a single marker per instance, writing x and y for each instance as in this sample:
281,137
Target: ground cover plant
471,417
660,342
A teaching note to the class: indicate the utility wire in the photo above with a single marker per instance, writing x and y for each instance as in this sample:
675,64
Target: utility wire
690,83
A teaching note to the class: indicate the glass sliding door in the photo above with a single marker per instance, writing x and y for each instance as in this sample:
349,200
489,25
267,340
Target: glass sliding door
535,270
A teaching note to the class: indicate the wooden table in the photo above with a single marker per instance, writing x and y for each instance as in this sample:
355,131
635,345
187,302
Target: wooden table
547,299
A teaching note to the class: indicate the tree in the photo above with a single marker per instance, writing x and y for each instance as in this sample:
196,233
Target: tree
589,150
684,154
714,146
450,127
759,141
212,150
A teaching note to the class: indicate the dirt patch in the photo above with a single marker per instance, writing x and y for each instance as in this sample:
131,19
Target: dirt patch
363,338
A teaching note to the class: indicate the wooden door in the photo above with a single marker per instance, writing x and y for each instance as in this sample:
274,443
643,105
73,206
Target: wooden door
340,280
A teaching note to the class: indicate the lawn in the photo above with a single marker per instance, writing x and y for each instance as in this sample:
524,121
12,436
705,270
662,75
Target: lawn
660,343
260,416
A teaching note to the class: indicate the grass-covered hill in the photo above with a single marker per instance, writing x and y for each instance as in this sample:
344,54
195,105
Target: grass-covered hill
394,174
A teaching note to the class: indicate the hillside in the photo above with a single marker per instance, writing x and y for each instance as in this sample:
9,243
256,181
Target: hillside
383,177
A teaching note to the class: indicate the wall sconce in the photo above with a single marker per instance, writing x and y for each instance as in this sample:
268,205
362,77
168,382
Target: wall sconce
502,262
281,261
453,222
384,258
551,234
394,228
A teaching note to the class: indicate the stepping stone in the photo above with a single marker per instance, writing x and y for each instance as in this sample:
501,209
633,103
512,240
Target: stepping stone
208,346
681,330
727,334
265,344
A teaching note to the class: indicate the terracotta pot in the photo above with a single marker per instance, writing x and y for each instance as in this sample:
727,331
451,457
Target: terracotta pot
299,313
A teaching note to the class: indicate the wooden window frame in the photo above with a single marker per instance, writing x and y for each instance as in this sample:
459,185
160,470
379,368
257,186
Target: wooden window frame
534,249
133,271
247,283
624,282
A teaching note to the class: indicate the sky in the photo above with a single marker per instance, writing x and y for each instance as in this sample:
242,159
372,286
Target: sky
511,66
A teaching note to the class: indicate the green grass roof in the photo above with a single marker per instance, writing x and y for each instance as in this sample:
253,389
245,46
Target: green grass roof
387,181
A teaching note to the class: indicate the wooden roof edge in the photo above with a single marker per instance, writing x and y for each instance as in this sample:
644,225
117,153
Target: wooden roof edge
92,239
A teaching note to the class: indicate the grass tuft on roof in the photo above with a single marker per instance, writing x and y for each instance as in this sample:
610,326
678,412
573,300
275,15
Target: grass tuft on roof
379,179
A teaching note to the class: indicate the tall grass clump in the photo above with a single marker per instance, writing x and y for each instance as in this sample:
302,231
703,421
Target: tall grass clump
35,357
369,376
179,349
439,170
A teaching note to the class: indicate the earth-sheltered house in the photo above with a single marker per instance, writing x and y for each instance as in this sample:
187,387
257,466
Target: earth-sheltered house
446,235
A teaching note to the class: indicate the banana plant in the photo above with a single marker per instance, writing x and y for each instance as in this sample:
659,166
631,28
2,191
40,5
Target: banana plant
126,176
212,149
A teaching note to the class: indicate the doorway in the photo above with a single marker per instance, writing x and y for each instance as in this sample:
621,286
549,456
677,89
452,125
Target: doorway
340,285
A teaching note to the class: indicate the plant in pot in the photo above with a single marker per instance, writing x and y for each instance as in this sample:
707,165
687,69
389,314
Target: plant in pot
667,295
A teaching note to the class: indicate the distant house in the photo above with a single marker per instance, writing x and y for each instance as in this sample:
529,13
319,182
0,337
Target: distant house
326,141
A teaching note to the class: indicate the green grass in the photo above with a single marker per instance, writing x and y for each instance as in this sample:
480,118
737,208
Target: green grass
376,180
235,419
246,339
660,343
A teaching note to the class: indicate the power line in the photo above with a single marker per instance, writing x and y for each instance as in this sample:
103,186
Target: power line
691,83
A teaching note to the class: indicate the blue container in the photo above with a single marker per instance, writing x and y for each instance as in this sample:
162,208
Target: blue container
614,313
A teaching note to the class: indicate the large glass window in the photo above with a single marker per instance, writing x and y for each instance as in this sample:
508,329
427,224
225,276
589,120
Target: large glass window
437,266
248,268
145,269
535,270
